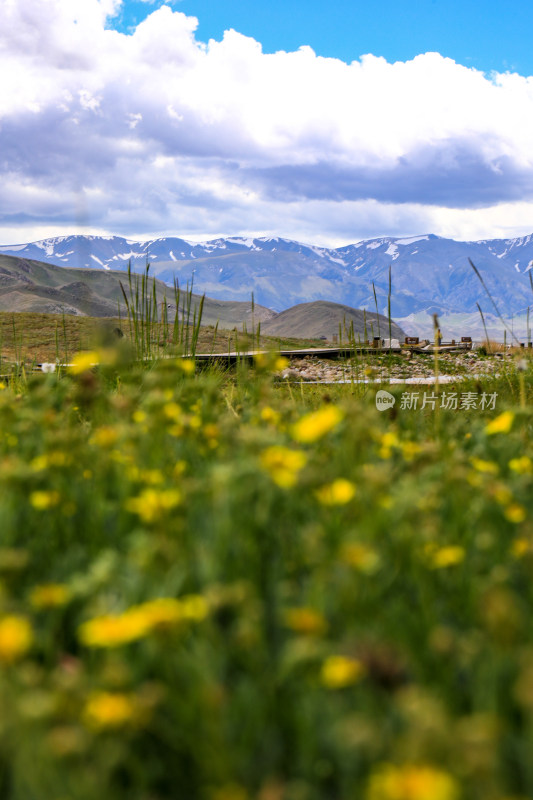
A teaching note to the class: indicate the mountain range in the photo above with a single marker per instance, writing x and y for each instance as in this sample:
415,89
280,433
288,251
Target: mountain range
29,285
34,286
429,274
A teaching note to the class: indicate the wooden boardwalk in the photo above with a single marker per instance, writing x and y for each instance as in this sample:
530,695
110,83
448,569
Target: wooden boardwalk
344,351
233,357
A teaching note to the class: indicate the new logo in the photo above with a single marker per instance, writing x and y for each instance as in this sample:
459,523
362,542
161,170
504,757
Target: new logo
384,400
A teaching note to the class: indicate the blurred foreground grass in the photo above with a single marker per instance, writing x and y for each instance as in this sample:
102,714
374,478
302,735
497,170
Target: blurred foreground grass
217,586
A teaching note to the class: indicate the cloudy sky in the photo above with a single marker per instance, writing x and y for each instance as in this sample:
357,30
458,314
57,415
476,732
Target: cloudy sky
323,122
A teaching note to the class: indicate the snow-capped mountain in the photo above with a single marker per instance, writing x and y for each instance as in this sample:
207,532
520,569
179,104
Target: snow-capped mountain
429,273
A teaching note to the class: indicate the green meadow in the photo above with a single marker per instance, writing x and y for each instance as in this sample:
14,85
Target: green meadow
218,585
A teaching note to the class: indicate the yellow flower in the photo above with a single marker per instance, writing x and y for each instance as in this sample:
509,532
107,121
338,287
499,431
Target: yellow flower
166,611
515,513
411,782
447,556
140,620
110,710
410,450
186,365
265,361
305,621
159,613
283,464
339,672
153,504
54,459
59,459
150,477
269,415
139,416
503,495
42,500
113,631
16,637
315,425
179,468
501,424
84,361
281,363
337,493
173,411
105,436
211,431
194,607
522,465
520,546
92,358
388,441
270,361
481,465
361,556
49,595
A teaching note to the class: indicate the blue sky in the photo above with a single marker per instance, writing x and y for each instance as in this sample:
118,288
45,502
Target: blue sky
492,35
327,123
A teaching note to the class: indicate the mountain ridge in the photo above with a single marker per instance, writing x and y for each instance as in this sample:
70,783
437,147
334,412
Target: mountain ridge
430,274
28,285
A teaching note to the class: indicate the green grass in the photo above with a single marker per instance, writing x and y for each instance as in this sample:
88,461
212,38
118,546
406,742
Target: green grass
341,592
32,337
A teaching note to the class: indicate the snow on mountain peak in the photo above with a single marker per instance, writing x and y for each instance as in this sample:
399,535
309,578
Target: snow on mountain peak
283,272
412,240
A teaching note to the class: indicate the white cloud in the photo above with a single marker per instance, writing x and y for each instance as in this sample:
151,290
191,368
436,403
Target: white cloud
158,132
